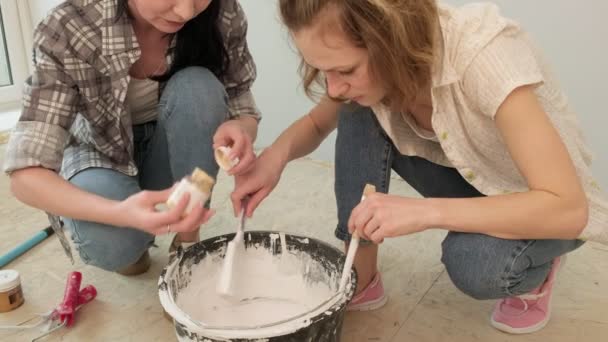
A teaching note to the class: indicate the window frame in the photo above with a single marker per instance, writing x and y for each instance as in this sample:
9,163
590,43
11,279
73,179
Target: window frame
17,33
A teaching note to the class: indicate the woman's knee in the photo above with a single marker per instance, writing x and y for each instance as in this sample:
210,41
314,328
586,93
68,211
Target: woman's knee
106,183
107,247
472,266
104,246
196,93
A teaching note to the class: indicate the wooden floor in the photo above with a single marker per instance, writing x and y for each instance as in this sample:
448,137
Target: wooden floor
423,304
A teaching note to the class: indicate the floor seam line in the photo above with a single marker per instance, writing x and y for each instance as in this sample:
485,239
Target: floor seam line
417,303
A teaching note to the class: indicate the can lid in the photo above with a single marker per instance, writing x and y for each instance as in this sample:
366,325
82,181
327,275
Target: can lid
9,279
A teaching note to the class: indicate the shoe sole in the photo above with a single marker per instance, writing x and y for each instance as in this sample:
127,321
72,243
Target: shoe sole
369,306
536,327
520,331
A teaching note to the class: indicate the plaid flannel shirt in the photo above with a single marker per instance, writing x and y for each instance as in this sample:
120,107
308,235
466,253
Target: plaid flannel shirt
74,111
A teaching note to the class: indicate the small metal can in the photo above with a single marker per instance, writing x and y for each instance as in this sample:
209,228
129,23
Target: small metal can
11,294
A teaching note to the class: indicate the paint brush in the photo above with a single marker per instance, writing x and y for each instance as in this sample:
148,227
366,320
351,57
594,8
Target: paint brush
353,246
25,246
225,283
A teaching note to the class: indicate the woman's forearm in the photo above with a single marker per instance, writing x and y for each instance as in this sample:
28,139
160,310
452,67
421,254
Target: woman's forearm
308,132
46,190
527,215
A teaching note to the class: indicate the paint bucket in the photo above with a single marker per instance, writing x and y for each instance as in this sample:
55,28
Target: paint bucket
314,263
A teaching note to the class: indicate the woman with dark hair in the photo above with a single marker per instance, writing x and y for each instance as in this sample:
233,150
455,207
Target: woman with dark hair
131,95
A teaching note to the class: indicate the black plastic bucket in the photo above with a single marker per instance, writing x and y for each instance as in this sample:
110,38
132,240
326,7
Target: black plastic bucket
324,323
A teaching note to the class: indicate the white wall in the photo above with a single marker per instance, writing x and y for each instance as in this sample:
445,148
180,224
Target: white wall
572,35
31,13
277,89
39,8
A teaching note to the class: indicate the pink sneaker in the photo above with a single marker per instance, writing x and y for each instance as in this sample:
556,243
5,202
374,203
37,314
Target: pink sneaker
371,298
529,312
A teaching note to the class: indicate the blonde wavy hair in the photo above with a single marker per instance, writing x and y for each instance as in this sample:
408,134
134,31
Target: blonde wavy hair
400,36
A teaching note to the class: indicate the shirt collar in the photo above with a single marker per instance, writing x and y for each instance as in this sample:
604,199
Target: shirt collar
444,72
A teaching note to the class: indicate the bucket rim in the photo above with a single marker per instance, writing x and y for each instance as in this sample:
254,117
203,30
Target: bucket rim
334,303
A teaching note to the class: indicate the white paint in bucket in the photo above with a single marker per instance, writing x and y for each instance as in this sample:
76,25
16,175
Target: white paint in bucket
291,285
258,274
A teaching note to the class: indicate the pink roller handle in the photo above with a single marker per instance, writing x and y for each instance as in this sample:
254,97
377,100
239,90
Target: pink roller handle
86,295
67,308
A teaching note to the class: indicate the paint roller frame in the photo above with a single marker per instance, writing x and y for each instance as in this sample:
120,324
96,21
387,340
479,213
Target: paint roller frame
25,246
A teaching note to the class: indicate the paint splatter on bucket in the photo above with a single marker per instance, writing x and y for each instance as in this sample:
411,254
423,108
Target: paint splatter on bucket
286,290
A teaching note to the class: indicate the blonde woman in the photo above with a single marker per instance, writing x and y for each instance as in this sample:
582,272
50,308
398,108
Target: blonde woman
460,105
131,95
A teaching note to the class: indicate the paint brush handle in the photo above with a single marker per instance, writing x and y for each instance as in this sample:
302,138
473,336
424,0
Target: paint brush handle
354,244
224,285
25,246
348,264
241,228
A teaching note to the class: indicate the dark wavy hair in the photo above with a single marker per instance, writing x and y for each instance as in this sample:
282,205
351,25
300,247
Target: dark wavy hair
199,42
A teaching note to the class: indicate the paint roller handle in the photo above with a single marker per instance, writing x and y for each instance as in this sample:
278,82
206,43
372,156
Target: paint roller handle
86,295
67,308
25,246
243,218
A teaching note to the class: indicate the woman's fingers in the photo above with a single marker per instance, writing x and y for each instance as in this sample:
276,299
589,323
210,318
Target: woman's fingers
371,227
161,219
359,217
175,212
377,236
245,186
243,150
255,200
167,223
191,221
246,162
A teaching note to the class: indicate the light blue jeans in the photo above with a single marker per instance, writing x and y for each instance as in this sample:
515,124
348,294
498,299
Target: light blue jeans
481,266
193,105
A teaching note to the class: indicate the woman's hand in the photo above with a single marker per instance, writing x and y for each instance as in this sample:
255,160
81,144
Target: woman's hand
139,211
258,182
238,134
381,216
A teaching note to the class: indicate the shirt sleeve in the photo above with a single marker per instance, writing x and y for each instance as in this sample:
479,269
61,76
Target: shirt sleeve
49,105
241,72
507,62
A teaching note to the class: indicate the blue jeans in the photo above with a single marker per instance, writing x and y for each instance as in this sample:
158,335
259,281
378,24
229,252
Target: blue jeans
481,266
193,105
